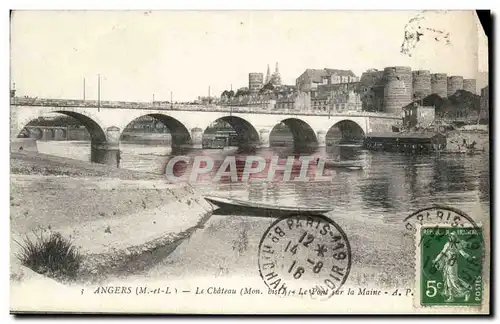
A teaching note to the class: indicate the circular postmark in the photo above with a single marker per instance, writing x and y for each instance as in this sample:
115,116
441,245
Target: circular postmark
438,214
304,255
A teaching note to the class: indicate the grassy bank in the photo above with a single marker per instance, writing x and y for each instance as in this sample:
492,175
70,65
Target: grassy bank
112,216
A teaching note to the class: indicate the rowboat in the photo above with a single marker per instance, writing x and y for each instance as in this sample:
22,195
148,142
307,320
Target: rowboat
331,164
237,206
350,145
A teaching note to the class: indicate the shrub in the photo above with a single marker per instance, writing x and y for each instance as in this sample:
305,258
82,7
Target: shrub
51,255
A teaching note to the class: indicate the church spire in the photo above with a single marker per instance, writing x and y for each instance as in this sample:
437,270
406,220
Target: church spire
276,77
268,75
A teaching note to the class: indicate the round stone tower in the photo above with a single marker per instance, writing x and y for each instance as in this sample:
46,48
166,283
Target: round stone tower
470,85
398,90
421,84
455,83
255,82
396,96
439,84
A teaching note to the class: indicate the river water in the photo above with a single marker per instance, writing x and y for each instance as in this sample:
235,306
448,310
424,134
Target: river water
369,203
390,182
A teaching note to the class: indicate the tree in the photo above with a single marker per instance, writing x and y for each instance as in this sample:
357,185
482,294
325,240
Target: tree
267,87
62,121
242,92
461,103
227,94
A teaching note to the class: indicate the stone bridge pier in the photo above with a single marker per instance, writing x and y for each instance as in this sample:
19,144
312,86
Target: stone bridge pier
187,125
107,151
321,136
264,137
197,138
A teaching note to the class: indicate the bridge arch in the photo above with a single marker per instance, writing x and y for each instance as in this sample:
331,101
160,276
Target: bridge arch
161,123
345,130
246,133
41,132
303,134
33,132
96,132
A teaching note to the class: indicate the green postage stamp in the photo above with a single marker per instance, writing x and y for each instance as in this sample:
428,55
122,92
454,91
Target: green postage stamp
449,265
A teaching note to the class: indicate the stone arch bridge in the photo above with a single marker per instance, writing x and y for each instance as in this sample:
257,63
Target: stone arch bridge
188,122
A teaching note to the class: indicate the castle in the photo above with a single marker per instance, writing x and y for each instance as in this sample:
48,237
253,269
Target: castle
335,90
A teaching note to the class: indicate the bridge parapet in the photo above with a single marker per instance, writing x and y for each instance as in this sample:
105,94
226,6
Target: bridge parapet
188,122
47,127
70,103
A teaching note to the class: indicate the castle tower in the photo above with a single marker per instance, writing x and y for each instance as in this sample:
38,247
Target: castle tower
470,85
398,90
455,83
268,75
439,84
255,82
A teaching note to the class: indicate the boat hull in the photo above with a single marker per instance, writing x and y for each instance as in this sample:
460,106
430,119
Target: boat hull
241,207
343,165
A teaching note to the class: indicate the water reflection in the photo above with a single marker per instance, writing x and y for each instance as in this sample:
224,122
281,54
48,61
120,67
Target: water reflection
375,194
390,184
345,152
369,204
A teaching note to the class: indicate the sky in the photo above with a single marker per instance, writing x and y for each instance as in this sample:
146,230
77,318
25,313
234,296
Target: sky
144,53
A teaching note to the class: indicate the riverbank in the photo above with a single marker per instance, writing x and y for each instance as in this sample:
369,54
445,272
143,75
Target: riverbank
113,216
369,206
456,138
33,163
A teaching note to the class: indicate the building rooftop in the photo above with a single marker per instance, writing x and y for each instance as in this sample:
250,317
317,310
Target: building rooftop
339,72
372,78
340,86
317,74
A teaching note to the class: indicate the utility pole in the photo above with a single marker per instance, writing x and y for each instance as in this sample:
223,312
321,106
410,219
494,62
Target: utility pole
230,102
83,89
99,92
153,98
208,94
171,103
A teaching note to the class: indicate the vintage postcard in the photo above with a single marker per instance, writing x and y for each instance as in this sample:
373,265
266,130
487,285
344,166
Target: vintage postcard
259,162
